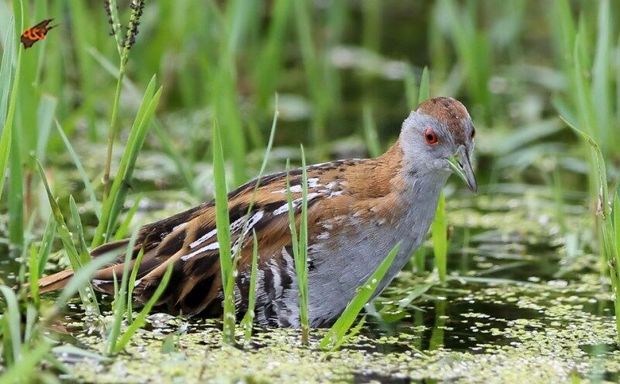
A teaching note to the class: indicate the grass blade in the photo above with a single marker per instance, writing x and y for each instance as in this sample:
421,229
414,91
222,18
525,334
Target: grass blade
120,298
24,369
33,280
223,236
82,172
616,221
425,87
78,231
300,247
86,294
439,234
610,254
370,131
114,201
248,318
132,284
141,318
301,259
411,91
46,244
123,228
81,279
338,331
12,317
7,127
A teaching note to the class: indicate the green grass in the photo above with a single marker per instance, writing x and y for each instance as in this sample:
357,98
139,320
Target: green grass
336,335
439,235
123,45
608,220
247,322
119,306
592,99
227,265
299,243
10,84
113,201
140,319
76,258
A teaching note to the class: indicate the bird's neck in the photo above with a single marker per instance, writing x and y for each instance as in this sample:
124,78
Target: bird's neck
394,180
408,177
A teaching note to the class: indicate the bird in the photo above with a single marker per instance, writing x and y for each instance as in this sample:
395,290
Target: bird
357,211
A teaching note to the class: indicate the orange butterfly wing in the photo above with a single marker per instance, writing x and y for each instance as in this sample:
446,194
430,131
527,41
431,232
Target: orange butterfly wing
36,33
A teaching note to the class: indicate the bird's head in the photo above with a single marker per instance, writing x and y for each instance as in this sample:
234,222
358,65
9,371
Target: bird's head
439,136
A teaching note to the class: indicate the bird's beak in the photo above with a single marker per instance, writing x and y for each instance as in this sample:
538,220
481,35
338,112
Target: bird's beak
461,165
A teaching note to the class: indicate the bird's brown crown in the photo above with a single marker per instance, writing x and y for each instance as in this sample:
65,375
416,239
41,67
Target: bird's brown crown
450,112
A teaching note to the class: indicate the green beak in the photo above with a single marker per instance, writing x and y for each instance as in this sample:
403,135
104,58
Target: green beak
461,165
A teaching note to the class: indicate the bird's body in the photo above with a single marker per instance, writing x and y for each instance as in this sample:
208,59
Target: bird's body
358,210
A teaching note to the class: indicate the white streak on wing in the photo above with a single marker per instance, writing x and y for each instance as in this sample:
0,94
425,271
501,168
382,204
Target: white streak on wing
253,220
235,248
313,182
296,203
203,238
237,224
233,228
281,209
251,223
337,193
311,196
208,247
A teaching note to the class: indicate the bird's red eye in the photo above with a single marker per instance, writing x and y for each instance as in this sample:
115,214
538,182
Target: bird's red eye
430,136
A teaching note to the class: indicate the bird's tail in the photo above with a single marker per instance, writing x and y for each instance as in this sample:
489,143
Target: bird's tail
59,280
149,274
55,282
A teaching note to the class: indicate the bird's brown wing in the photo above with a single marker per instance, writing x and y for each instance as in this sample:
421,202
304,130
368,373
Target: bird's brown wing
188,241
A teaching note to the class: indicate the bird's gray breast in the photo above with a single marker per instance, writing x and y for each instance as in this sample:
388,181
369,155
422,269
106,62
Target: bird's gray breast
338,266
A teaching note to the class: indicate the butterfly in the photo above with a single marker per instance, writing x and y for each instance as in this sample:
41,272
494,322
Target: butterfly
36,33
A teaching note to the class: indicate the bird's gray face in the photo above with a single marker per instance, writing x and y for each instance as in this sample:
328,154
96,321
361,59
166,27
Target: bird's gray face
440,145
